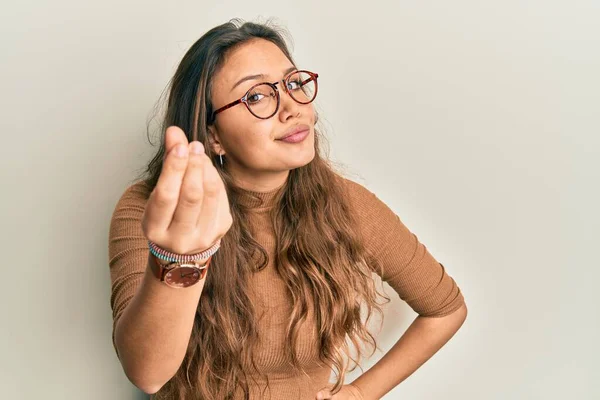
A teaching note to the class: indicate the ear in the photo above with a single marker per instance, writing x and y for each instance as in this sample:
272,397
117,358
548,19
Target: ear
213,141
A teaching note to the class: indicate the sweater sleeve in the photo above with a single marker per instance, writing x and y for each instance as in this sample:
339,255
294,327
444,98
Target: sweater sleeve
127,250
407,266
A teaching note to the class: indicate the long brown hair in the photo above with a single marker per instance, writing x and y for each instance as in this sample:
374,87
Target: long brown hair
319,253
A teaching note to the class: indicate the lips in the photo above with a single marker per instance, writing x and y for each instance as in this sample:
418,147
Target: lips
294,130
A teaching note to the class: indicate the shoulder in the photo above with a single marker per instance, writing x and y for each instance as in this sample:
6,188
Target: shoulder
134,194
131,203
359,197
353,189
374,217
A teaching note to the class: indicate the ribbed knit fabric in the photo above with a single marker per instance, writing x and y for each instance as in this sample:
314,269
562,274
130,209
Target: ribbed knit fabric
408,268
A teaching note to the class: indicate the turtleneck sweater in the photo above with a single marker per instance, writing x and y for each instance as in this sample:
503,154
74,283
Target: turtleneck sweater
407,265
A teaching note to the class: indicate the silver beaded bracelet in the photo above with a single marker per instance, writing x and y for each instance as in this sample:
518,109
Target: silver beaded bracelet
182,258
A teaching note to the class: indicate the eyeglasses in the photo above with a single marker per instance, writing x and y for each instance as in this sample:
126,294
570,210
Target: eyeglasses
262,99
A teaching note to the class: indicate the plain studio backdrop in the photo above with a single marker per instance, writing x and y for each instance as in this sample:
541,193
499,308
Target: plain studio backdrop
477,122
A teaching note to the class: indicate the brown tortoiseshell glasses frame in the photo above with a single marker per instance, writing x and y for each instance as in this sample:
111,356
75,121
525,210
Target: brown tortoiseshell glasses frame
244,99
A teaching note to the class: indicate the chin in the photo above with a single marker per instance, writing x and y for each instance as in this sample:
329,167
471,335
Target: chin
304,160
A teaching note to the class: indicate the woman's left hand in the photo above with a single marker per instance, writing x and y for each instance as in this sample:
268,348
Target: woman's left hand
348,392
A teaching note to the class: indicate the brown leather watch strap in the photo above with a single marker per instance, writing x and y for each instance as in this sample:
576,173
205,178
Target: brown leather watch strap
155,266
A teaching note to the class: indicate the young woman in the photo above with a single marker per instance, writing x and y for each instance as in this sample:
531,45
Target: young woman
242,263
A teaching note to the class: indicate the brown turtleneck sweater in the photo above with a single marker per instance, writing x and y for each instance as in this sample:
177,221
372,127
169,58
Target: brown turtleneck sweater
408,268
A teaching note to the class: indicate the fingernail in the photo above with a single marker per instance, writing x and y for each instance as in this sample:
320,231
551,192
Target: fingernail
181,150
197,147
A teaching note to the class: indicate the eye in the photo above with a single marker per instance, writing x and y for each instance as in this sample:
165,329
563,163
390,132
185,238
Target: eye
295,84
254,98
260,94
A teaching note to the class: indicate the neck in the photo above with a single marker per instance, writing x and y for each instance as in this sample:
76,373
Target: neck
264,182
260,200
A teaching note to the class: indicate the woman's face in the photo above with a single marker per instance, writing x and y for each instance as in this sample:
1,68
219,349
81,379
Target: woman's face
255,157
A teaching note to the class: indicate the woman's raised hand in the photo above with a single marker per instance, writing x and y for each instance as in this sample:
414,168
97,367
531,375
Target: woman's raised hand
188,210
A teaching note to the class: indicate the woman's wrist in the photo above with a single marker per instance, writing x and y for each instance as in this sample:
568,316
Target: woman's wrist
166,255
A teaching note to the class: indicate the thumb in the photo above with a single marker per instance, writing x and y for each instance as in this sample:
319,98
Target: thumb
174,135
323,395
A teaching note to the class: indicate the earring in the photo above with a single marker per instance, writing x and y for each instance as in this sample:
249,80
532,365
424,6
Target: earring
221,159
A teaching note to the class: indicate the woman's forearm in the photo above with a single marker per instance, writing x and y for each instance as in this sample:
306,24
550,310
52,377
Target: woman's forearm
423,338
154,330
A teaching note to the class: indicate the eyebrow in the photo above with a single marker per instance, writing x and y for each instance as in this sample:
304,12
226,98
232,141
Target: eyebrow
251,77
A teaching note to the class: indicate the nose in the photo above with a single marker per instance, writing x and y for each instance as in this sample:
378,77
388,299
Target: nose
288,107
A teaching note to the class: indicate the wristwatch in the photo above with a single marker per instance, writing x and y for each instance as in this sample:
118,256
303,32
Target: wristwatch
179,274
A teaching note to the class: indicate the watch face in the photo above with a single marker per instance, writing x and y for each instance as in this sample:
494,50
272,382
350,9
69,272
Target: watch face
183,276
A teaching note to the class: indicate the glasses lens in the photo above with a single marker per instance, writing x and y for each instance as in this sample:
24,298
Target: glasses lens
302,87
262,101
